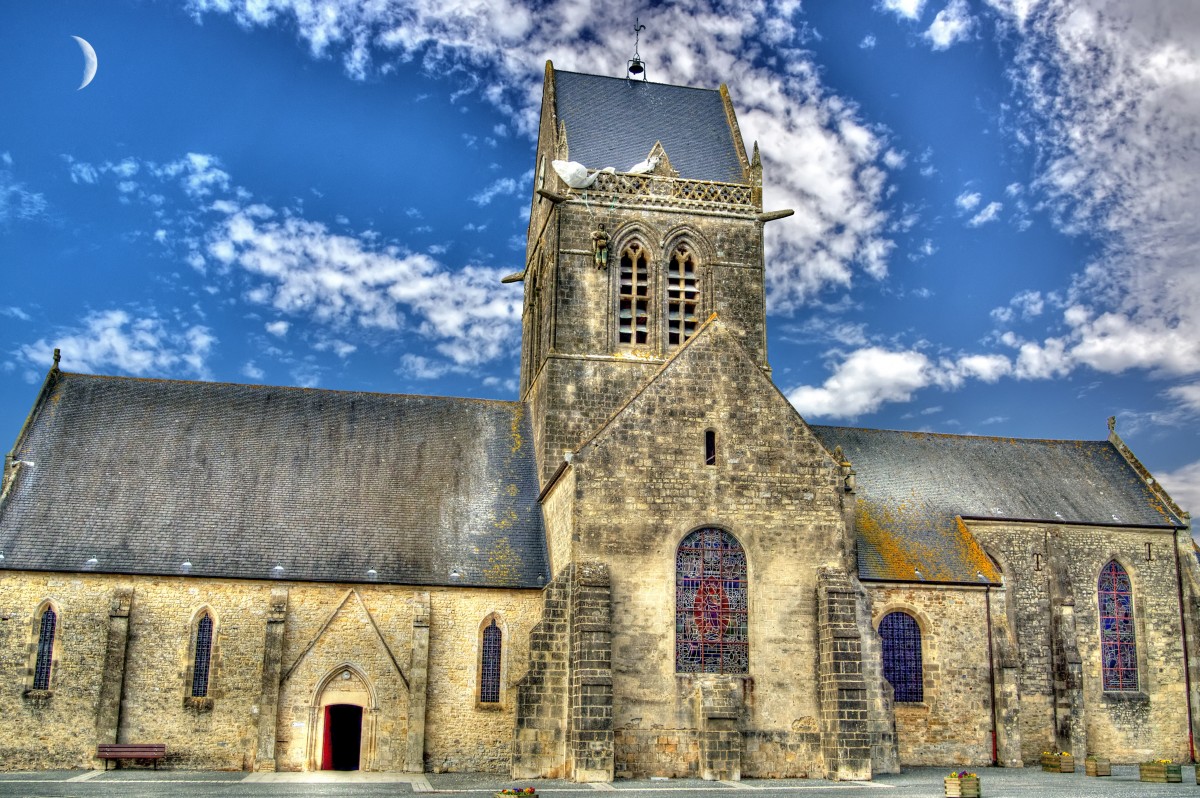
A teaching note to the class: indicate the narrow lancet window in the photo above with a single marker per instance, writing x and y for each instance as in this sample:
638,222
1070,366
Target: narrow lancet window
683,296
489,666
710,447
203,661
902,664
1118,641
633,309
45,650
711,604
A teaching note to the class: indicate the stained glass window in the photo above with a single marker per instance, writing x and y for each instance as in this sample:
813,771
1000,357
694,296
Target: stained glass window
1118,643
710,604
489,671
45,650
902,656
203,661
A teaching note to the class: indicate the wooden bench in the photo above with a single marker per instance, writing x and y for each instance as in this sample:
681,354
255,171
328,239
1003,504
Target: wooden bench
153,751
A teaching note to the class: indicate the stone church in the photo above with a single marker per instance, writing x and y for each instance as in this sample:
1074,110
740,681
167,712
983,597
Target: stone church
648,565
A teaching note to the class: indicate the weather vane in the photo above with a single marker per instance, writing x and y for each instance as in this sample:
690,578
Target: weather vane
636,65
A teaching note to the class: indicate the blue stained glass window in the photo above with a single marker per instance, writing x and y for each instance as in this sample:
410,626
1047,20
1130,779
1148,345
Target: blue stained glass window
45,650
489,672
902,656
1118,642
203,661
710,604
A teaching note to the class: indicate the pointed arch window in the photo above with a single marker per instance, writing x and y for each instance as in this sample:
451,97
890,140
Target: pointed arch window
47,628
683,295
711,607
633,303
902,665
489,664
202,663
1118,641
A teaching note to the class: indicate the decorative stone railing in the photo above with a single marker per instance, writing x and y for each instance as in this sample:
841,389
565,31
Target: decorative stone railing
670,192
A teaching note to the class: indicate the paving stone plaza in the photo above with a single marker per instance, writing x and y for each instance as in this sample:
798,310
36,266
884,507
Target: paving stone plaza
144,783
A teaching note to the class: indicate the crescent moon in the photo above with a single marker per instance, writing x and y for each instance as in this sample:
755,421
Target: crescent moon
89,61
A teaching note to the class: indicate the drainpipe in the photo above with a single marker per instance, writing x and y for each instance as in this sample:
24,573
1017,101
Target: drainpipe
987,600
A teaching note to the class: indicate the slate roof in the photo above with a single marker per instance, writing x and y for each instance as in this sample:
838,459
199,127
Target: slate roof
911,487
144,475
615,122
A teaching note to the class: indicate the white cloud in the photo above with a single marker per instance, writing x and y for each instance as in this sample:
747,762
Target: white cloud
116,341
863,383
909,9
253,372
14,312
819,157
894,160
1187,395
17,201
503,187
867,43
952,24
342,349
1113,101
988,214
1184,486
277,328
967,200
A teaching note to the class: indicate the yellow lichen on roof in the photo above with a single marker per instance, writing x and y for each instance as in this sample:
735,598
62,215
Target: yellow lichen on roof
949,553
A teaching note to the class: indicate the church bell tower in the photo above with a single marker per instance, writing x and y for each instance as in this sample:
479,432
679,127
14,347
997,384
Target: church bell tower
646,219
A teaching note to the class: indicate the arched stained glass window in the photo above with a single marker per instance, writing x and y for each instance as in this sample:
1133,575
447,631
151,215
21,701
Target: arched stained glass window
710,604
1118,642
902,656
202,664
45,650
489,666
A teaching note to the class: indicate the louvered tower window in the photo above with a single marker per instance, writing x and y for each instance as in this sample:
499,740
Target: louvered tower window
45,650
711,604
902,656
489,666
633,310
1118,641
683,296
202,664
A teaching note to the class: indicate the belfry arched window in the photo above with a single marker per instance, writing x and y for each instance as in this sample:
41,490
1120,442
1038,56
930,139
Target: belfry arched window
489,663
902,665
1118,641
710,604
47,628
683,295
202,661
633,295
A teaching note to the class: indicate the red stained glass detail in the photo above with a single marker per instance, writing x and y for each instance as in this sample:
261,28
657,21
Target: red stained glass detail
1118,641
710,604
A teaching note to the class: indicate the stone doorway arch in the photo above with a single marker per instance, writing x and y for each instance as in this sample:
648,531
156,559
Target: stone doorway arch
331,718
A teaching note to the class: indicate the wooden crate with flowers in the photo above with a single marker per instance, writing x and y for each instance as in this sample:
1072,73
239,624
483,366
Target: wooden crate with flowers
523,792
1097,766
962,785
1162,771
1058,762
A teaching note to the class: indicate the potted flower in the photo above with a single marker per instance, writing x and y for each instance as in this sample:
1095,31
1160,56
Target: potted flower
1097,766
1058,762
962,785
523,792
1163,771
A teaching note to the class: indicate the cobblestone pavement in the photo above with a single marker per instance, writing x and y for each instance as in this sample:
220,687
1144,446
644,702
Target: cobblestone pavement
913,782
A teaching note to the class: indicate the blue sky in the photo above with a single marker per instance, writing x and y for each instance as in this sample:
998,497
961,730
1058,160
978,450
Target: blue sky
995,227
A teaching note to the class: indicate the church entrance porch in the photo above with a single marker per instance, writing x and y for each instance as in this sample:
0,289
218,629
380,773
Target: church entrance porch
343,737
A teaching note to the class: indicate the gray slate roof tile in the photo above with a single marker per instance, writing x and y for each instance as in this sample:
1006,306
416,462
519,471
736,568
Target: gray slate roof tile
615,122
145,475
913,485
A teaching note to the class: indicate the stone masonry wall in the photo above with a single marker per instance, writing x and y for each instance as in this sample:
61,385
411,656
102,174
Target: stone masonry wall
952,725
643,485
1124,726
363,631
